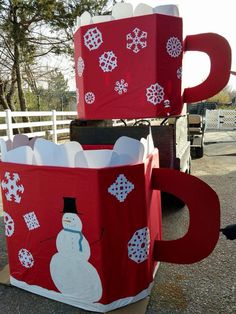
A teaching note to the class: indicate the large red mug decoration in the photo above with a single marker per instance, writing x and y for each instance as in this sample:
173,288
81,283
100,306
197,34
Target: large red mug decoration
132,68
91,237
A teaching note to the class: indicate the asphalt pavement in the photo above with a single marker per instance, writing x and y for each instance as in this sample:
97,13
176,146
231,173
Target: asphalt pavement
205,287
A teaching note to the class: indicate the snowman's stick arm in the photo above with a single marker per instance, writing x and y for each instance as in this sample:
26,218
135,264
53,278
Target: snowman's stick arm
101,236
47,239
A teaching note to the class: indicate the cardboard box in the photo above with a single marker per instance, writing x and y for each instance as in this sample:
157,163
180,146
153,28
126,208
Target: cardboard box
5,275
82,236
129,68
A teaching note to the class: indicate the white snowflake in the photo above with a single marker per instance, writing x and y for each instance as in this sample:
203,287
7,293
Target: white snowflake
31,221
155,94
174,47
89,98
80,66
12,188
108,61
26,258
93,38
179,73
9,225
121,188
121,86
136,40
138,246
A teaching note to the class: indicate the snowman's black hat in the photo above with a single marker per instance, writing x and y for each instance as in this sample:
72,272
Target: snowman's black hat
70,205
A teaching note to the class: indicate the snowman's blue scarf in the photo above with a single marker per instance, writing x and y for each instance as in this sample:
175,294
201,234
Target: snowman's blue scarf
81,237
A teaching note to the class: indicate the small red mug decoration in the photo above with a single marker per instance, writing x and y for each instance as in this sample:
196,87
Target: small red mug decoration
132,68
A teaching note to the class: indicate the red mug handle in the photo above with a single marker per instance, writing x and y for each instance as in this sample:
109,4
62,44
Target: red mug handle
204,217
219,52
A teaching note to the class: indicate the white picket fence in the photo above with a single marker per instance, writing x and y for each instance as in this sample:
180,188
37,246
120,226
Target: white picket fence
220,119
52,122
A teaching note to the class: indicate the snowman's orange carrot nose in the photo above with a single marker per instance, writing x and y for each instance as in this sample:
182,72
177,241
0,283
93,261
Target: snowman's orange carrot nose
66,220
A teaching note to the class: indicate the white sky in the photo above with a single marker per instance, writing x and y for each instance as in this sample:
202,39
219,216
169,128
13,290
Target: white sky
203,16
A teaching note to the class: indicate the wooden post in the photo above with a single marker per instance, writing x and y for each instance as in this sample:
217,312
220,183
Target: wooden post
54,126
8,120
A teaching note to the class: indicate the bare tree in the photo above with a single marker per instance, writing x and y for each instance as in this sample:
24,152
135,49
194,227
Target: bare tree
30,30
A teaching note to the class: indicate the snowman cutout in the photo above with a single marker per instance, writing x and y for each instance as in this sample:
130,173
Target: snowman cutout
70,270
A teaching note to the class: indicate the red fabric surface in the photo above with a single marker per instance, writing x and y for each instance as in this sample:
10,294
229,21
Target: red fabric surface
107,223
91,147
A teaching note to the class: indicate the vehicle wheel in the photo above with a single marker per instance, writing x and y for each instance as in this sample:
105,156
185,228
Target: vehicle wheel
171,201
189,166
199,152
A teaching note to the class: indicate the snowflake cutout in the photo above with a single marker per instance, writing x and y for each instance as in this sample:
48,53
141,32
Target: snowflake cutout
136,40
121,87
93,38
174,47
179,73
155,94
138,246
108,61
9,225
121,188
12,188
89,98
31,221
26,258
80,66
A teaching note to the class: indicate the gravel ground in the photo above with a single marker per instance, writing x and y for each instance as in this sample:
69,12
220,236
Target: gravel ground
205,287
